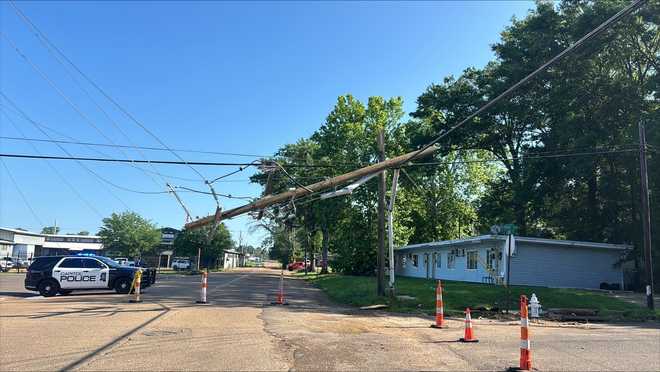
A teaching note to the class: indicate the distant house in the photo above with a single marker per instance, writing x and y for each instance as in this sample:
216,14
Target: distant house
533,261
233,259
25,244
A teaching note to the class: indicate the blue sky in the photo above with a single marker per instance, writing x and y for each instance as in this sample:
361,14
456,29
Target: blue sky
218,76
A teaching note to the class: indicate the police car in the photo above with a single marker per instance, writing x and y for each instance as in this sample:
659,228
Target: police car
51,275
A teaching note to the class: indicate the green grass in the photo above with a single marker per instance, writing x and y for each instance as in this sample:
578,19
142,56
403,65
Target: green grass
361,291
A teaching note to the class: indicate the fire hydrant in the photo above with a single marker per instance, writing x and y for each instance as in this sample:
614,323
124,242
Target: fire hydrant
534,306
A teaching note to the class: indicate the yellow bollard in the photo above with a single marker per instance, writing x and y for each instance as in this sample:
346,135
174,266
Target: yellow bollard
137,280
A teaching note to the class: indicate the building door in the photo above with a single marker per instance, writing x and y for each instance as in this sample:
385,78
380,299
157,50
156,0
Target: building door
426,265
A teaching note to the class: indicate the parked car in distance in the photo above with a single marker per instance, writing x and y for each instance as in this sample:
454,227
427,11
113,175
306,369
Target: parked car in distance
6,263
120,260
298,265
181,264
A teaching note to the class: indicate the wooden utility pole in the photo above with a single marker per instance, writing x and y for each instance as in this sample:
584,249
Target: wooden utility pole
381,216
646,216
269,200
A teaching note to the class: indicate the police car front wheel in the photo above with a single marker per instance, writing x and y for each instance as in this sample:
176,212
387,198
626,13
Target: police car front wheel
123,285
48,288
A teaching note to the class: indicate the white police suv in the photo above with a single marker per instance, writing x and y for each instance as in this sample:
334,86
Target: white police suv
63,274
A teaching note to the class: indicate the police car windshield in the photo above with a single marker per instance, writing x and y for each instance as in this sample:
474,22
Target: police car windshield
109,262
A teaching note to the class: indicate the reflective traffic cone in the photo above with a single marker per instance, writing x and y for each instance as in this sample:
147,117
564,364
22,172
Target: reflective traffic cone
439,308
280,292
525,351
205,284
469,335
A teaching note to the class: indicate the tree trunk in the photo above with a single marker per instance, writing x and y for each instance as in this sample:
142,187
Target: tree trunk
326,243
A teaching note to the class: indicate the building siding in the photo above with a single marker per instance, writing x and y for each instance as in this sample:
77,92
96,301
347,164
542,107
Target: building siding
570,267
541,262
460,271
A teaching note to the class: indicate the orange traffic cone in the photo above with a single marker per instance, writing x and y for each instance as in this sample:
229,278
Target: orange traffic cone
469,335
525,351
439,308
280,292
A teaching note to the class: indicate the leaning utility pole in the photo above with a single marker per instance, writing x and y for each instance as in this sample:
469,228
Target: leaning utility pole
381,215
646,216
270,200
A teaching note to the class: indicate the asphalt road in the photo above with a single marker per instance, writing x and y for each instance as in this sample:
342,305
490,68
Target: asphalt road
240,330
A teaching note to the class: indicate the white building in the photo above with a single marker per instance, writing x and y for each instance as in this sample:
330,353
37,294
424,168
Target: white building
233,259
25,245
534,261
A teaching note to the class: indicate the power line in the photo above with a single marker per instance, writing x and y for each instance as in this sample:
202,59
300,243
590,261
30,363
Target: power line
575,154
68,100
41,35
73,142
95,174
115,160
20,192
228,196
56,171
240,169
596,31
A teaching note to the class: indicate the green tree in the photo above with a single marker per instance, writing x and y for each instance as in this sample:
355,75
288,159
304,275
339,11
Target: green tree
53,230
130,234
83,232
212,245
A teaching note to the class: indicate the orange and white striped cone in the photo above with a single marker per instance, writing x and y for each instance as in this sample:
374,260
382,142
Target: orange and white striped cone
439,308
138,283
525,351
205,284
280,292
469,334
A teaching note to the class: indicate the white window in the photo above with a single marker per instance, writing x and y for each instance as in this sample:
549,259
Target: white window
472,258
403,262
415,260
451,260
438,260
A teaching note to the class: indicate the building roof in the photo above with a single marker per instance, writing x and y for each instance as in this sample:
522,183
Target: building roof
74,246
16,231
519,239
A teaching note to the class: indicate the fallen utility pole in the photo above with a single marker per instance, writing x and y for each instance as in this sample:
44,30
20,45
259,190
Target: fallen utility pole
270,200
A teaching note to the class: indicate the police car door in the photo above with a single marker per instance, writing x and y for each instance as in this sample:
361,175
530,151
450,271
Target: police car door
98,273
69,272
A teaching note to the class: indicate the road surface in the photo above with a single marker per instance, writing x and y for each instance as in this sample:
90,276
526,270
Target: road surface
240,330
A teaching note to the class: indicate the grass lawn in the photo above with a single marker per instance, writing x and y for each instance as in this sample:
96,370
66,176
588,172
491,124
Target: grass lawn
361,291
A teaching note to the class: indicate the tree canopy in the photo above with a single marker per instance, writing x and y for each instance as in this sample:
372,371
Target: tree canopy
558,158
130,234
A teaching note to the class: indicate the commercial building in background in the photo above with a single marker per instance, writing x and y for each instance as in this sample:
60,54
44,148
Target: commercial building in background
533,261
165,248
26,245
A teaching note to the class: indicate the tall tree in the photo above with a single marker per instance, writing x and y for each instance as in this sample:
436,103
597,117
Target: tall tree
212,245
130,234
